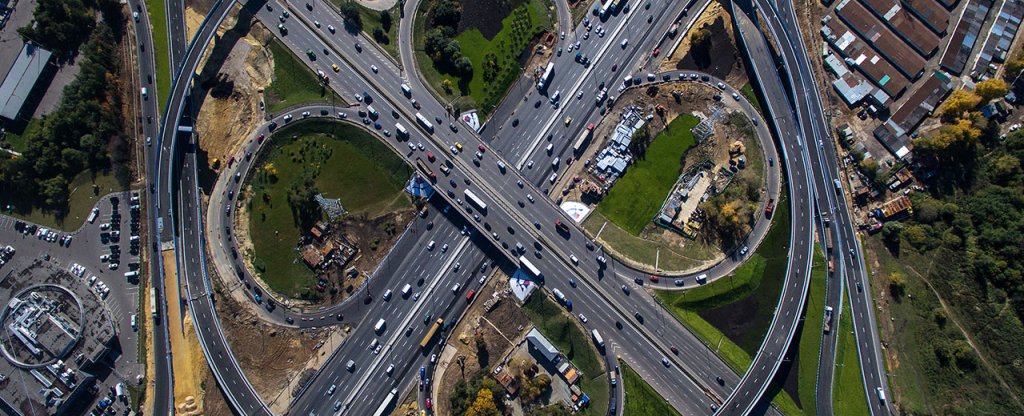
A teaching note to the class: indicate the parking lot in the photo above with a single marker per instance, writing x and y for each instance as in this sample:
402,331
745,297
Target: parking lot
89,254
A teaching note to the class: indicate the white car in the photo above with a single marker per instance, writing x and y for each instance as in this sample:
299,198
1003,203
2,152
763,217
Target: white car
305,114
529,165
391,368
373,68
359,97
583,318
444,248
330,28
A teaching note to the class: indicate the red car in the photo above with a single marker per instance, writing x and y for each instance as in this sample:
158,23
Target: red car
590,126
654,278
430,156
480,147
656,52
428,403
260,138
674,350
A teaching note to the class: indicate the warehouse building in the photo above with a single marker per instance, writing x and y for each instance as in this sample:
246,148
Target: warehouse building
930,13
872,31
21,79
912,30
859,55
958,51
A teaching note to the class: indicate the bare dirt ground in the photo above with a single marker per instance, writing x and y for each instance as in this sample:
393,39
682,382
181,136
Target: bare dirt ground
231,96
725,62
501,328
189,365
272,357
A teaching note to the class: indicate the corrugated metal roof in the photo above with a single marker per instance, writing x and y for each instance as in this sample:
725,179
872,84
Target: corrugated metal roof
21,78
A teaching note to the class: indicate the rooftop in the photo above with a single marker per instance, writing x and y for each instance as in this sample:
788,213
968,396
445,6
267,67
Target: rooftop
27,68
859,55
873,32
930,13
916,33
1000,38
965,35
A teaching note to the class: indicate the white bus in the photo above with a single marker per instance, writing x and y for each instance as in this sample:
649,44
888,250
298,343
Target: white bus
424,122
470,196
525,264
387,403
599,341
546,78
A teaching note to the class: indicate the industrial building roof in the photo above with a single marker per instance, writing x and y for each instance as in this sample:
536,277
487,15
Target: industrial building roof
930,13
873,32
923,102
542,345
21,78
954,59
861,56
913,31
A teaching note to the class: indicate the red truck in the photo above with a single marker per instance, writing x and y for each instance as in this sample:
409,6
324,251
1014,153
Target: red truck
769,208
561,227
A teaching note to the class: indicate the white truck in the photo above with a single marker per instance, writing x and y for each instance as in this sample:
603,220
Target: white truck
380,326
597,338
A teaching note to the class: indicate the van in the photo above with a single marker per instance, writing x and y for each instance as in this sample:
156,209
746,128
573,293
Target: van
132,274
839,185
703,278
881,394
406,90
430,245
350,365
554,163
455,289
553,177
469,296
373,113
387,294
379,326
550,148
145,93
624,43
555,96
406,290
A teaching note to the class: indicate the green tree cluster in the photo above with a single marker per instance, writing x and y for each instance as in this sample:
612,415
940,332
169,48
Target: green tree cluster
972,222
468,396
58,25
440,43
350,11
83,133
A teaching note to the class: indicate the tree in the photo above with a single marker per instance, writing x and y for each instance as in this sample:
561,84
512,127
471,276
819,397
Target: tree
700,46
434,43
958,103
350,11
447,13
897,285
385,20
59,26
464,66
991,88
379,35
891,232
483,405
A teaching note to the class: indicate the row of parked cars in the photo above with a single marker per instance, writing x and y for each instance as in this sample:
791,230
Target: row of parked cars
6,254
42,233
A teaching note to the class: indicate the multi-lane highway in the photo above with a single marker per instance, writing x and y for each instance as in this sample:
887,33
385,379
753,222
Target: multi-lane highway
148,118
517,213
627,316
782,20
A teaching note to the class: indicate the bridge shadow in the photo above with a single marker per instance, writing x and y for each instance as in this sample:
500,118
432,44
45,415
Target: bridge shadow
211,82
